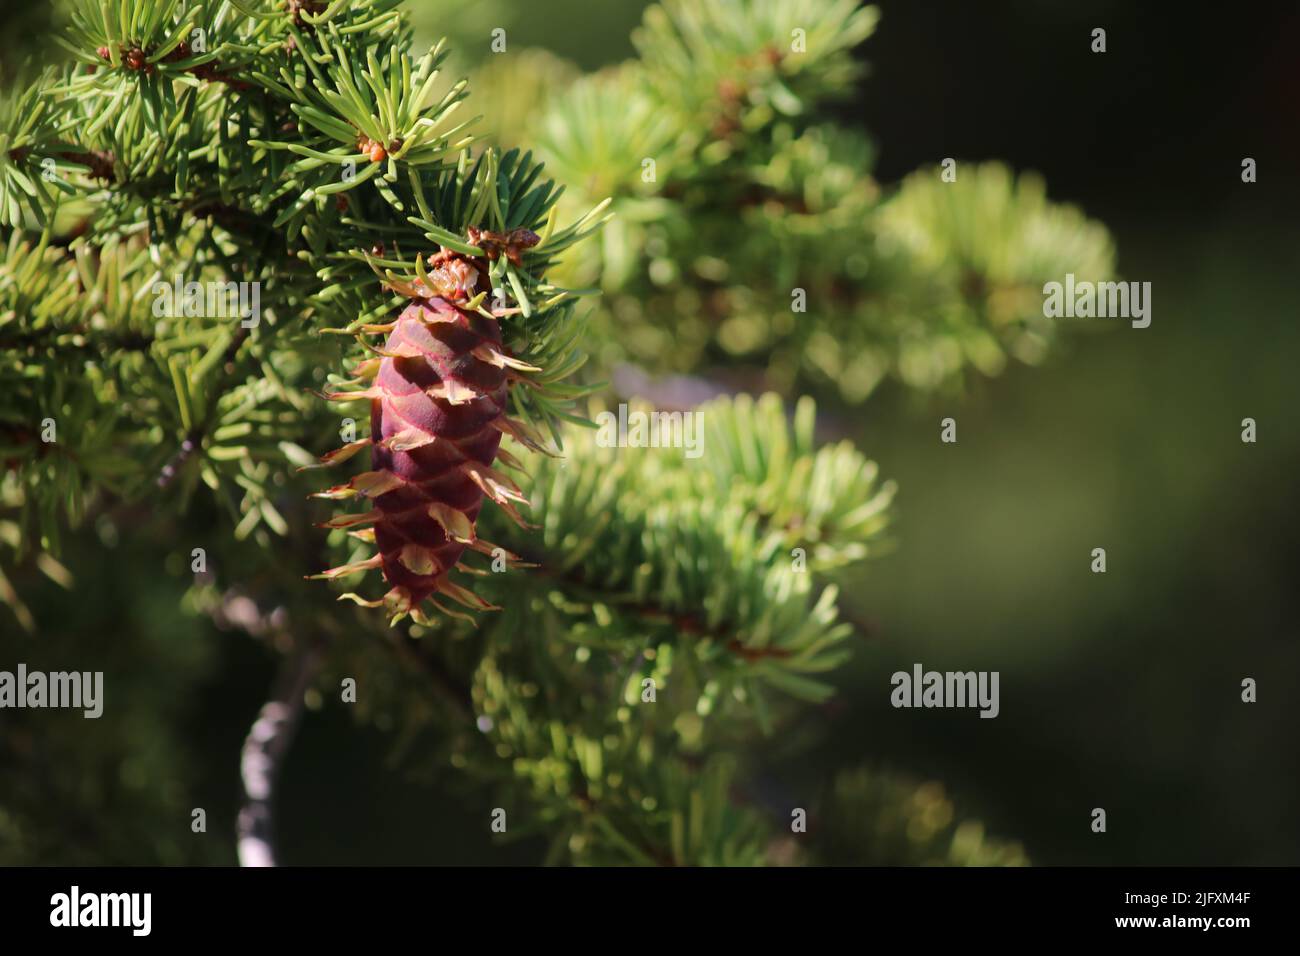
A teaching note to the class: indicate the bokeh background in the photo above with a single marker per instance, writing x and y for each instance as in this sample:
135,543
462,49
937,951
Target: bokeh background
1119,691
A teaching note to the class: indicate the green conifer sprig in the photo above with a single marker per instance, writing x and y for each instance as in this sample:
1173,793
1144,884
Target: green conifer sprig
739,63
35,161
724,551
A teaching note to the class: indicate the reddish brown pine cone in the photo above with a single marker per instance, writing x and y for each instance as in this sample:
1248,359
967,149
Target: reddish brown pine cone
437,416
410,541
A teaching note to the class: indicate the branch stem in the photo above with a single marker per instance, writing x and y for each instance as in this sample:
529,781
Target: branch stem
263,754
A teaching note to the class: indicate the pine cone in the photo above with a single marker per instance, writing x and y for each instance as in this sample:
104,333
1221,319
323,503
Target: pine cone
438,404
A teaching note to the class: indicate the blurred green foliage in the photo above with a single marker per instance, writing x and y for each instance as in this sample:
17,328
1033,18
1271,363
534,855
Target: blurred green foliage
754,222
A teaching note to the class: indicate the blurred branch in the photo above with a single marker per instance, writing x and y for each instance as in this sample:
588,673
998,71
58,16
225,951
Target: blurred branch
264,749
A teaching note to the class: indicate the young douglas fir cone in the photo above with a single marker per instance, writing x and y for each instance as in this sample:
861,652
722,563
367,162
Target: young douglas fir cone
438,398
